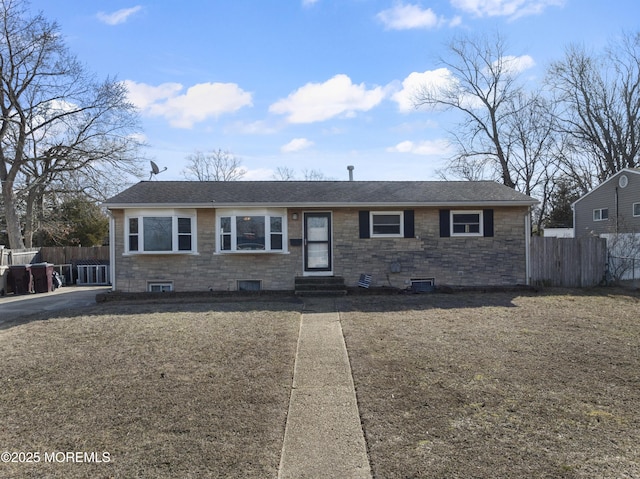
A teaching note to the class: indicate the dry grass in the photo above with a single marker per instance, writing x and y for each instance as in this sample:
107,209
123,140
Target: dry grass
498,385
177,390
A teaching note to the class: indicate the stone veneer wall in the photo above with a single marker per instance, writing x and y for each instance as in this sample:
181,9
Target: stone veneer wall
205,270
471,261
459,261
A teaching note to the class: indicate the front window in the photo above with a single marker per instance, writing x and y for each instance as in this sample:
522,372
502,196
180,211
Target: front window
157,233
150,232
466,223
601,214
386,224
251,231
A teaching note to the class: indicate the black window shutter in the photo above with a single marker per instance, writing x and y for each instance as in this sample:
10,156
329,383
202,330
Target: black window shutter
445,227
363,217
487,218
409,225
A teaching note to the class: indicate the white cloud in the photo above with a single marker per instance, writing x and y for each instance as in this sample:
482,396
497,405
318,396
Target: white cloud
199,103
309,3
322,101
118,17
297,144
405,17
455,21
258,174
423,148
415,82
258,127
505,8
143,95
514,65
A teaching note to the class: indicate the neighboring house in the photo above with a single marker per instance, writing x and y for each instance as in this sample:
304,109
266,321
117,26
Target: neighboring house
199,236
611,208
612,211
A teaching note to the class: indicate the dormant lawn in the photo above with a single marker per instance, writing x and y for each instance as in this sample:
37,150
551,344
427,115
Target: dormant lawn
464,385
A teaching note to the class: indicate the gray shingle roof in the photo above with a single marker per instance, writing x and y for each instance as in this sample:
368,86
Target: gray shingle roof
316,193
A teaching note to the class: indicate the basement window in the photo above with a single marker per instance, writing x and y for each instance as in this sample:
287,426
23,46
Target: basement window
250,285
423,285
158,287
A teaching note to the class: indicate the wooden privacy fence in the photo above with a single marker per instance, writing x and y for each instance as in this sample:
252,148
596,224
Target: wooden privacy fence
568,262
9,257
75,264
72,254
53,254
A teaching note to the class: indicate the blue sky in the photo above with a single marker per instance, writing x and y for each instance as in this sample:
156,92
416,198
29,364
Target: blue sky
309,84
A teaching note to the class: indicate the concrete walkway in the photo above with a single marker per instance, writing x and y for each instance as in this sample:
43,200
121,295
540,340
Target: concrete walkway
323,436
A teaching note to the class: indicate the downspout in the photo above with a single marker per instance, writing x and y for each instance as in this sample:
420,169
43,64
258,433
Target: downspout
527,242
617,210
112,250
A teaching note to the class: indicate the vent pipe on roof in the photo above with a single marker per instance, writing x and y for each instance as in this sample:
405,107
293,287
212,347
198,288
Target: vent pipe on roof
350,168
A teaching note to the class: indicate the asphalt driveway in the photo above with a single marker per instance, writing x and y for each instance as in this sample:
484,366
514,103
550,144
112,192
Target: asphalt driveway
68,297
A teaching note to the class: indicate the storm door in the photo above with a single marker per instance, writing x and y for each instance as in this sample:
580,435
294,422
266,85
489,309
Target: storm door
317,243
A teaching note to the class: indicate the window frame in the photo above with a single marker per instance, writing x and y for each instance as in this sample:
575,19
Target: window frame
165,286
176,234
242,283
480,223
600,211
372,225
634,207
231,235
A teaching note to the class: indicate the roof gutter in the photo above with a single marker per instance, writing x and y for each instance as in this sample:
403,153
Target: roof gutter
113,206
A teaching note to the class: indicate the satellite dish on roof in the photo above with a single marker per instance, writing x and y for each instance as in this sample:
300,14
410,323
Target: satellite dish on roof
155,170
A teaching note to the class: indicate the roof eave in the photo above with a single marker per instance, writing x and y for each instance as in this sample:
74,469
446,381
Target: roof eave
381,204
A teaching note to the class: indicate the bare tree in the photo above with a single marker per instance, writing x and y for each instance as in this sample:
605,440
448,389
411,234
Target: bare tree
534,148
483,86
506,133
56,119
217,165
600,95
284,173
314,175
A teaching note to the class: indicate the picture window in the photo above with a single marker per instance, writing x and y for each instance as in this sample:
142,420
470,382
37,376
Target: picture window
251,232
160,233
